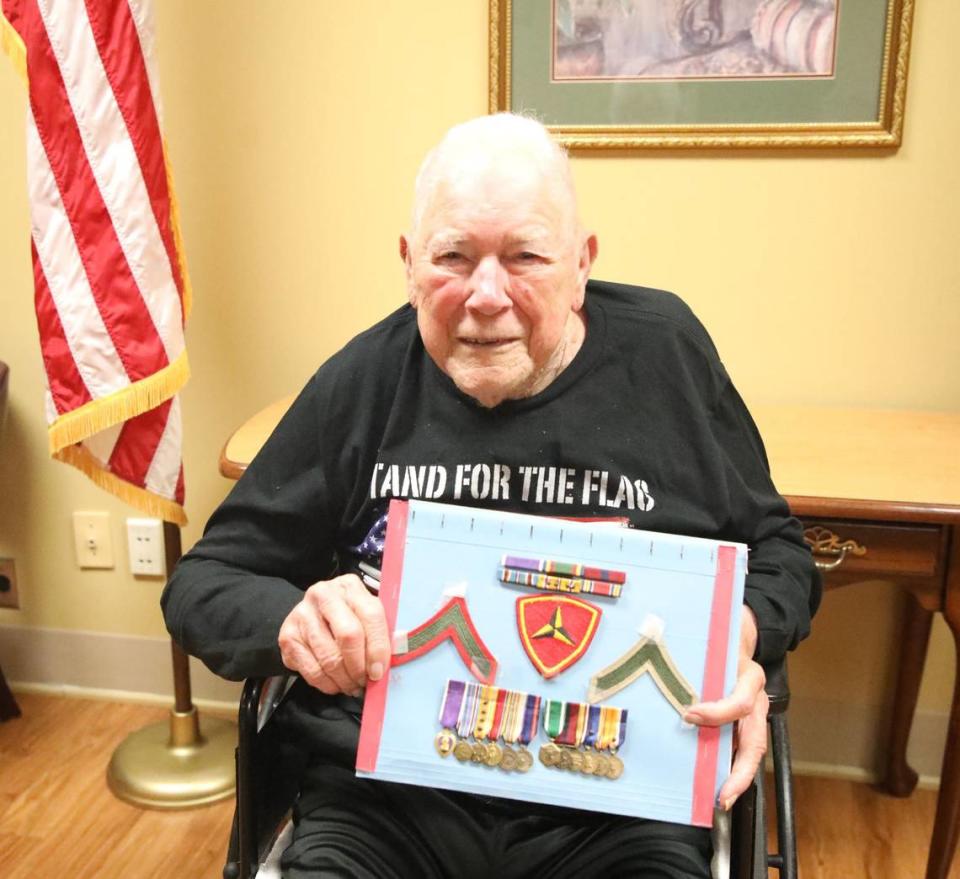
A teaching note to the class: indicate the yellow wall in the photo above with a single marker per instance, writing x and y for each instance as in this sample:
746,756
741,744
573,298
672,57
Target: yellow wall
295,130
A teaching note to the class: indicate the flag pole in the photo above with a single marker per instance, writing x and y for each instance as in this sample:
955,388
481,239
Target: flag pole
179,763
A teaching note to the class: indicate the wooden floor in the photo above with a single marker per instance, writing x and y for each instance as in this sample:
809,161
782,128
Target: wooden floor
57,817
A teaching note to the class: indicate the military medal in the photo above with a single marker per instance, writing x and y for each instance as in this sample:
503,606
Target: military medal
484,714
589,764
583,738
648,656
611,734
550,754
452,621
521,718
524,760
446,741
508,762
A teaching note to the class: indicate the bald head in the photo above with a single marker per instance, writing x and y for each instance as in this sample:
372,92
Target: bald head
504,147
496,262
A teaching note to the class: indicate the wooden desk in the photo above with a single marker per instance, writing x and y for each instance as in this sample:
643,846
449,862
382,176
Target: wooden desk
889,481
879,493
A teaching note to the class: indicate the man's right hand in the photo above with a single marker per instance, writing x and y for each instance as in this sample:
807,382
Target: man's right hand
336,637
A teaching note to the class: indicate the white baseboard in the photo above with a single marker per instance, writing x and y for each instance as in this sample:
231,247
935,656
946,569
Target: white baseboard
838,739
105,666
854,773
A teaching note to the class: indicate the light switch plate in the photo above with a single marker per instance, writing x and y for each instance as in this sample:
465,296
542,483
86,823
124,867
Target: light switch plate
91,540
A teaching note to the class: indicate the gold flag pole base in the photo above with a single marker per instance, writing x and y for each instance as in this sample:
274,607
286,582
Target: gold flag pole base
175,766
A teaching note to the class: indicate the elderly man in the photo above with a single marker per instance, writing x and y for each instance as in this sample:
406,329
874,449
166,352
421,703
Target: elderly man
507,356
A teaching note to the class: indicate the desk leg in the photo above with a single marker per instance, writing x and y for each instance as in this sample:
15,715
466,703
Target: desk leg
8,705
915,636
946,823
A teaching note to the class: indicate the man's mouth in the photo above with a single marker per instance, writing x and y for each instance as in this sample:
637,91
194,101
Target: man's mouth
485,343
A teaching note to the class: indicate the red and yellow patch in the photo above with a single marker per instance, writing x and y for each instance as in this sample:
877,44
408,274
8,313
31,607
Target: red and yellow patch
556,630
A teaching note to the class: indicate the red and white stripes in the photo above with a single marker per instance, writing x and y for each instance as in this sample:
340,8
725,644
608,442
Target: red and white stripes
110,286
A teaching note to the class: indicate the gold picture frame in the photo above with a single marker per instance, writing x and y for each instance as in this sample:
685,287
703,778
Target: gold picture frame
861,100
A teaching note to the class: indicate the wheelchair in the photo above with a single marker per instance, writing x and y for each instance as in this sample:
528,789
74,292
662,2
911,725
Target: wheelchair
267,788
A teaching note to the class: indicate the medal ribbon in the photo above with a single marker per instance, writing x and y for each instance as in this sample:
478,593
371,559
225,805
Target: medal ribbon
508,725
489,713
613,728
564,569
531,718
554,718
452,700
486,712
593,726
568,736
575,725
553,583
469,708
496,723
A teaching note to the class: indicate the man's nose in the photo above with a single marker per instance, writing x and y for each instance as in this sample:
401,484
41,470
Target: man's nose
488,287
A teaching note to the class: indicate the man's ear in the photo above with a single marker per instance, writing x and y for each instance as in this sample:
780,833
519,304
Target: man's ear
407,258
588,253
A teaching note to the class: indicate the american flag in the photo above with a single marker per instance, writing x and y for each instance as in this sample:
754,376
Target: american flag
110,280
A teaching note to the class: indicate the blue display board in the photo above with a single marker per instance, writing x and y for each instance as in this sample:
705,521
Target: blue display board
682,593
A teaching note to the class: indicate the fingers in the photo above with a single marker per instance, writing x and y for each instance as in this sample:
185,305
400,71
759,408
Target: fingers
738,704
336,637
369,610
341,648
750,750
298,656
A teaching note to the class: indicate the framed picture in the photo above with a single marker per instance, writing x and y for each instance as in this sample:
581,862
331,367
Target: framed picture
629,74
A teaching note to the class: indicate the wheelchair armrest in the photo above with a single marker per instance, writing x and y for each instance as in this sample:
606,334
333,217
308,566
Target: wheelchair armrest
778,687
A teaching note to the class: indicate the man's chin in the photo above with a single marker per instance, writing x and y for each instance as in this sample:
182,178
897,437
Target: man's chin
491,387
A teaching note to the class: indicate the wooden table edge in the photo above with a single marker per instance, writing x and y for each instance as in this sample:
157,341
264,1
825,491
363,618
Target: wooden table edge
875,510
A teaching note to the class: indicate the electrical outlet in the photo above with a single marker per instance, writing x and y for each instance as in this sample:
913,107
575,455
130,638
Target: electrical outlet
91,540
145,540
8,584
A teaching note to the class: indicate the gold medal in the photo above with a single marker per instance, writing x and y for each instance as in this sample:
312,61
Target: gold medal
550,754
493,754
509,760
462,751
445,742
524,760
616,768
576,760
477,752
589,763
566,760
603,765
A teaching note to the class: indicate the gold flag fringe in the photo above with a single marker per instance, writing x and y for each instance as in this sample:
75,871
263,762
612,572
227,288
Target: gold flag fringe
177,236
146,501
12,44
103,413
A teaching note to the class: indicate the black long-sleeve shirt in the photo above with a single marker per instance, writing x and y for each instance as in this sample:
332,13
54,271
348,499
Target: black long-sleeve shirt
643,423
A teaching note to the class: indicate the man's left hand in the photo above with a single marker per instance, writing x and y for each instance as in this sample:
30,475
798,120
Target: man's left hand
747,705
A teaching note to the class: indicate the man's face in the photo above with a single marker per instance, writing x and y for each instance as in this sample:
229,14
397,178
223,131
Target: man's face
497,273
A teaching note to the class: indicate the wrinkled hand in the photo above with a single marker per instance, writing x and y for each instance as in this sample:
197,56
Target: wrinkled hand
748,705
336,637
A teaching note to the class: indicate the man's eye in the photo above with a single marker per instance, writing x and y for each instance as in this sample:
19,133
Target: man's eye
450,256
527,256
